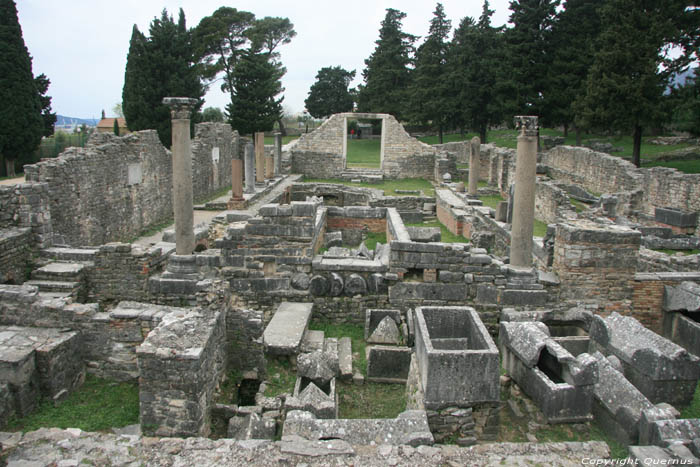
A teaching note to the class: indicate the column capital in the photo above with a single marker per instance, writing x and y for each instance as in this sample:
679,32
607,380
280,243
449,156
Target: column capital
180,107
527,124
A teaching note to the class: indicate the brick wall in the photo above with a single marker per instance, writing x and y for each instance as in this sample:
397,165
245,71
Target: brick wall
648,296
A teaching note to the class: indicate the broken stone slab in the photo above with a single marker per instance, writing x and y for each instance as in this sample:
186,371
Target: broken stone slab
322,401
284,333
373,316
252,426
333,239
317,366
345,358
424,234
409,428
684,297
313,340
525,339
293,444
388,364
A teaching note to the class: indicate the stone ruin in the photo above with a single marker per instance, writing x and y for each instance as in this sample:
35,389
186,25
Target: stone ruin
77,297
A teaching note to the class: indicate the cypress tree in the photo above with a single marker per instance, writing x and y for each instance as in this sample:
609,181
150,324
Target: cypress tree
115,127
329,94
157,67
386,73
429,91
20,113
42,84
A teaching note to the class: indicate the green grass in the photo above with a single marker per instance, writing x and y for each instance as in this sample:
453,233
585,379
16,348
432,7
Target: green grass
97,405
280,377
285,139
539,229
445,235
364,153
565,433
491,200
373,238
388,186
579,206
691,166
447,138
693,410
17,175
673,252
370,400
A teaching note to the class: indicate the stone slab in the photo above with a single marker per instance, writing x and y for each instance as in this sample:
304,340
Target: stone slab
284,333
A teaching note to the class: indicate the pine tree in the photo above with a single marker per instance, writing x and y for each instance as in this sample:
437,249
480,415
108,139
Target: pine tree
626,83
42,84
529,50
476,73
329,94
429,90
20,113
256,83
157,67
386,73
575,32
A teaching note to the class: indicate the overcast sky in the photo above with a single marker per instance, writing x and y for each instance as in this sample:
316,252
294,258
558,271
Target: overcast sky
81,45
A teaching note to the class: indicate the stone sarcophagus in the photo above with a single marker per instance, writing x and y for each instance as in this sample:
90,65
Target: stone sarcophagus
457,359
560,384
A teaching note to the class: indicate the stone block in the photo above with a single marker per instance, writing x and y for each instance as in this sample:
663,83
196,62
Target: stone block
284,333
675,217
388,364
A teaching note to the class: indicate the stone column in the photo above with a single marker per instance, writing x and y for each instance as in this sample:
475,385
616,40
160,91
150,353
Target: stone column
524,199
269,166
180,110
260,157
278,152
474,162
236,170
249,168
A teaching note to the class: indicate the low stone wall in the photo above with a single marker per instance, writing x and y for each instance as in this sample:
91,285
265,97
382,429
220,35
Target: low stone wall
115,187
648,295
27,205
317,164
656,261
16,250
356,218
552,204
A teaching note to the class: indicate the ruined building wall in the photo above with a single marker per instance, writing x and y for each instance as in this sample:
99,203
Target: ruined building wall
115,187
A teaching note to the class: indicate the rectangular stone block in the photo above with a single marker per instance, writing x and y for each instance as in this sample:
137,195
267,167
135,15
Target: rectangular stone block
388,364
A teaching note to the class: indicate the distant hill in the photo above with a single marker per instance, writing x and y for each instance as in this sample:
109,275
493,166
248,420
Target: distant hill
63,121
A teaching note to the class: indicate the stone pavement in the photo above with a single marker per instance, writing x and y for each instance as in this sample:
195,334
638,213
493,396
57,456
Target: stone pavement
73,447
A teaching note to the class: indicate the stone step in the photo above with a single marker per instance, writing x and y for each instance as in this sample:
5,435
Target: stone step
69,254
313,340
55,286
54,295
284,333
60,271
345,358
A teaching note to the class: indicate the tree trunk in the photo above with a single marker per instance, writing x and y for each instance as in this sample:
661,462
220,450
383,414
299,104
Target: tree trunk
283,130
482,134
636,150
578,136
10,167
440,133
566,130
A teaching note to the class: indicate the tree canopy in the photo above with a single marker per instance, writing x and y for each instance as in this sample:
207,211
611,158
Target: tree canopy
21,110
159,66
386,74
329,94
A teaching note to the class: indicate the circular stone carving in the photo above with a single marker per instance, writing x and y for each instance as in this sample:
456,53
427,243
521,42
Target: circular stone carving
355,285
376,284
336,284
319,286
300,281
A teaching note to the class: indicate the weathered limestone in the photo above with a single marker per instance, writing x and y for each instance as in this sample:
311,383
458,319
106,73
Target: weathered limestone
260,157
474,165
237,179
457,359
180,110
319,399
660,369
278,153
285,332
249,168
559,384
524,200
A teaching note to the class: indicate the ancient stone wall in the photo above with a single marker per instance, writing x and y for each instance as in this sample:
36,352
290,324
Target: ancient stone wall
116,187
552,204
16,250
317,164
648,296
596,263
656,261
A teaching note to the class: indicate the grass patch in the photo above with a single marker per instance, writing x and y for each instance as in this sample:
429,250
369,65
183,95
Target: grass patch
539,229
373,238
228,391
152,230
364,153
388,186
217,194
690,166
491,200
673,252
285,139
97,405
447,138
693,410
370,400
17,175
445,235
280,377
565,433
579,206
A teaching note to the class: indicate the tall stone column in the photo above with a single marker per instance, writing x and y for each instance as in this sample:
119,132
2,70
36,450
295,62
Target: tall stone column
278,153
269,166
249,168
524,198
180,111
474,165
236,170
260,157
